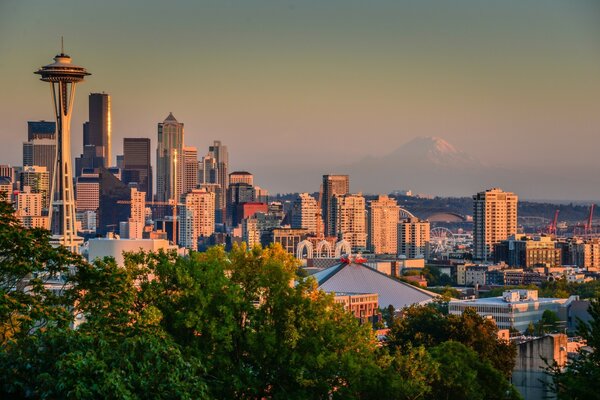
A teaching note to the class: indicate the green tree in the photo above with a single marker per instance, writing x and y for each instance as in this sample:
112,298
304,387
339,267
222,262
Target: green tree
464,375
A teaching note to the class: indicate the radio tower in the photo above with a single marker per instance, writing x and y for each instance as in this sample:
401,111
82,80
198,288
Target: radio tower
63,77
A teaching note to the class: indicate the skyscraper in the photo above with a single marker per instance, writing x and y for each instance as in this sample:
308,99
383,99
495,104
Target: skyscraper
349,218
241,176
219,152
137,164
494,220
197,217
189,169
87,190
332,185
169,153
114,204
38,180
383,225
63,77
100,126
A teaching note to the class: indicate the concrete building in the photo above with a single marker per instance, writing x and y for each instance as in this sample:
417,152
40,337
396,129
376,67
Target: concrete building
413,238
112,247
137,166
494,220
87,192
349,219
533,356
196,217
169,153
383,220
38,180
516,309
6,189
332,185
237,194
585,253
306,214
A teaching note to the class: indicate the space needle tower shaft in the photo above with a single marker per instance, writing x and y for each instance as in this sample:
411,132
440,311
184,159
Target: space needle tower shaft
63,77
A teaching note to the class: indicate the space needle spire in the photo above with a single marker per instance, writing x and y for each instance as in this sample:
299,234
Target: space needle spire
63,77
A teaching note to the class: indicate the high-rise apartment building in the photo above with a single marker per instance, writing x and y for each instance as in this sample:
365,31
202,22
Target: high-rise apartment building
29,209
221,155
332,185
306,214
137,167
36,178
196,217
133,228
99,130
169,153
349,219
190,169
413,238
383,225
494,220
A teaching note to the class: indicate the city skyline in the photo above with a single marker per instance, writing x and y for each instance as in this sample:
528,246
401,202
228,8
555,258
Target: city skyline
244,77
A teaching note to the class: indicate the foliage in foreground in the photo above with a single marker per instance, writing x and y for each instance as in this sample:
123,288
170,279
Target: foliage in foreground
211,325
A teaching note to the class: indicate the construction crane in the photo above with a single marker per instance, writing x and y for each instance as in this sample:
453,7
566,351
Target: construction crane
319,214
552,227
588,225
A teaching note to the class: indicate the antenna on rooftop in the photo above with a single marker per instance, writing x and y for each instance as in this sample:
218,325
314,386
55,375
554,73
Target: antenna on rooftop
62,45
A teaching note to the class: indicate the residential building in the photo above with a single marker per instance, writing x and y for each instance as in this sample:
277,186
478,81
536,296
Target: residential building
196,217
383,220
349,218
494,220
37,178
528,251
306,214
413,238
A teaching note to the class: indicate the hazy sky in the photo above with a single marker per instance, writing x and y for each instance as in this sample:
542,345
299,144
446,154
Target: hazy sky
293,84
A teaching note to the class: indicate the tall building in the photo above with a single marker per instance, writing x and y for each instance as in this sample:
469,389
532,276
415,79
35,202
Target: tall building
383,225
133,227
197,217
137,167
413,238
41,130
38,180
63,76
6,189
29,209
221,155
40,152
87,192
189,169
349,219
114,204
99,130
237,194
169,154
306,214
208,170
332,185
494,220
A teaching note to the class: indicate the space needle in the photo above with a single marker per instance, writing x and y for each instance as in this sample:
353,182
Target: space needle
63,77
